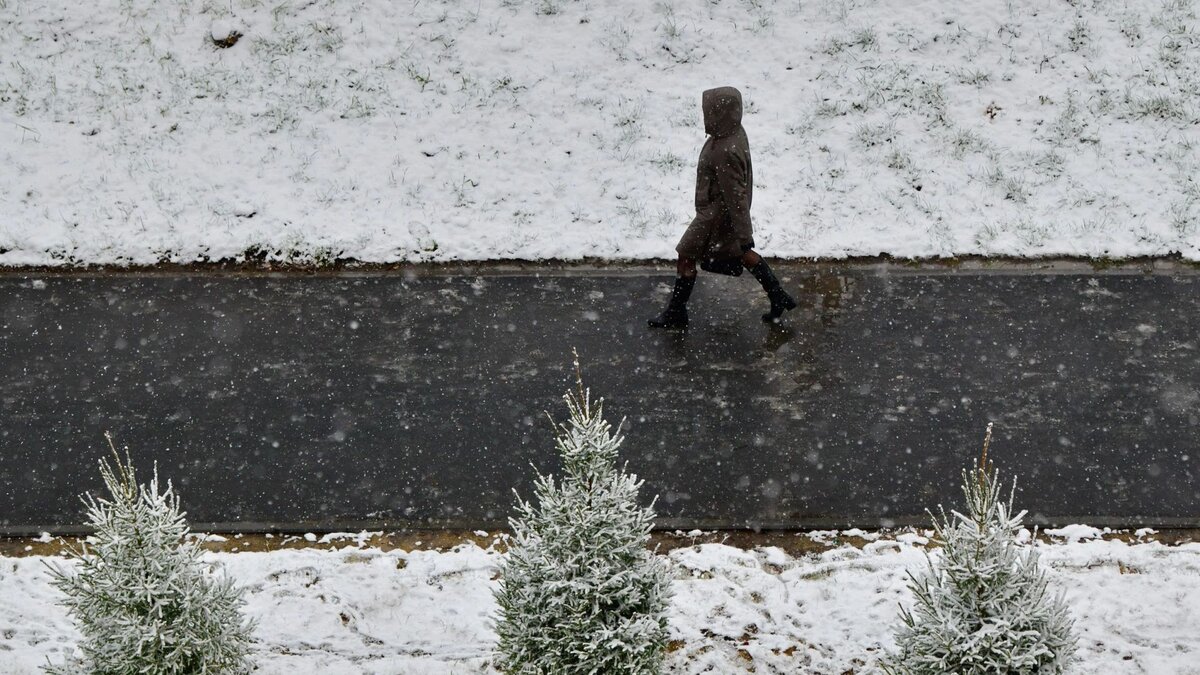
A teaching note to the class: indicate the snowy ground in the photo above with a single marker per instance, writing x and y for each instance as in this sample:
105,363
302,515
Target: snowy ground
365,610
482,129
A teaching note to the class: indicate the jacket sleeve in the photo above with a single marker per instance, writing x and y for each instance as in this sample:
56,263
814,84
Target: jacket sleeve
733,181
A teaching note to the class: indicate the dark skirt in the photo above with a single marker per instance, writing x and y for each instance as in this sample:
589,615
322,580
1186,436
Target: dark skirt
705,240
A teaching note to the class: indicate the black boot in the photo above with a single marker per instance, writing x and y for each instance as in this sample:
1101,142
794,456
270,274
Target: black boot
727,266
780,300
675,315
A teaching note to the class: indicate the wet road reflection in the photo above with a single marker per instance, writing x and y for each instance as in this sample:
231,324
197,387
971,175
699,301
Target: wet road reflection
393,400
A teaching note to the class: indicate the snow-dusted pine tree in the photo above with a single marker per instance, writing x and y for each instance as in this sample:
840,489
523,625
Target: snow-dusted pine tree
982,604
141,596
580,592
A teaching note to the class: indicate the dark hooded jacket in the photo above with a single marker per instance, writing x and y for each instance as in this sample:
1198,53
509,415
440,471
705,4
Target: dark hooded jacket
724,176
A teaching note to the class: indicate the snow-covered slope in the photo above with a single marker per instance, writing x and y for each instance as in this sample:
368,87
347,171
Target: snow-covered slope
480,129
412,613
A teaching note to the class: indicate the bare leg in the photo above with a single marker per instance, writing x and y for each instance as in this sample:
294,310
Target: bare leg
750,258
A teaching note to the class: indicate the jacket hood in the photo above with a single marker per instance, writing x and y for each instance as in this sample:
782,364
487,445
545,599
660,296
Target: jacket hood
722,111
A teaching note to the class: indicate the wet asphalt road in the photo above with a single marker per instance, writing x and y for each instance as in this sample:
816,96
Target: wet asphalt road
391,400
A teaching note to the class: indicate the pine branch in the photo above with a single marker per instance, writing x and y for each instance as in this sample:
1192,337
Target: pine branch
141,596
580,592
981,605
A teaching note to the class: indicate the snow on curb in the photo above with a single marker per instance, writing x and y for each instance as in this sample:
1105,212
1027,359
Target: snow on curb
1074,533
355,610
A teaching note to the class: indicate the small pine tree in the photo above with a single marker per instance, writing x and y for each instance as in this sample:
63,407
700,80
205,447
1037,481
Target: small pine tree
983,606
580,592
142,598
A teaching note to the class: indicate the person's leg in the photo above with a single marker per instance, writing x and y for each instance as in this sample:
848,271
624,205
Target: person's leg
690,248
780,300
675,315
685,267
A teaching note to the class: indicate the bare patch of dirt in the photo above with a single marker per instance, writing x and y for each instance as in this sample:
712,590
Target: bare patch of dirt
795,543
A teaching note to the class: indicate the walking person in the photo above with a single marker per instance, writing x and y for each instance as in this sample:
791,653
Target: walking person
721,237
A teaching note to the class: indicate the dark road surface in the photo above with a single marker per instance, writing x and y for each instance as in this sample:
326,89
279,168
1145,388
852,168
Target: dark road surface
392,400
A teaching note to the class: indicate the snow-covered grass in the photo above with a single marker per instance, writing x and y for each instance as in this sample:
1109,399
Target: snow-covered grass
486,129
364,610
